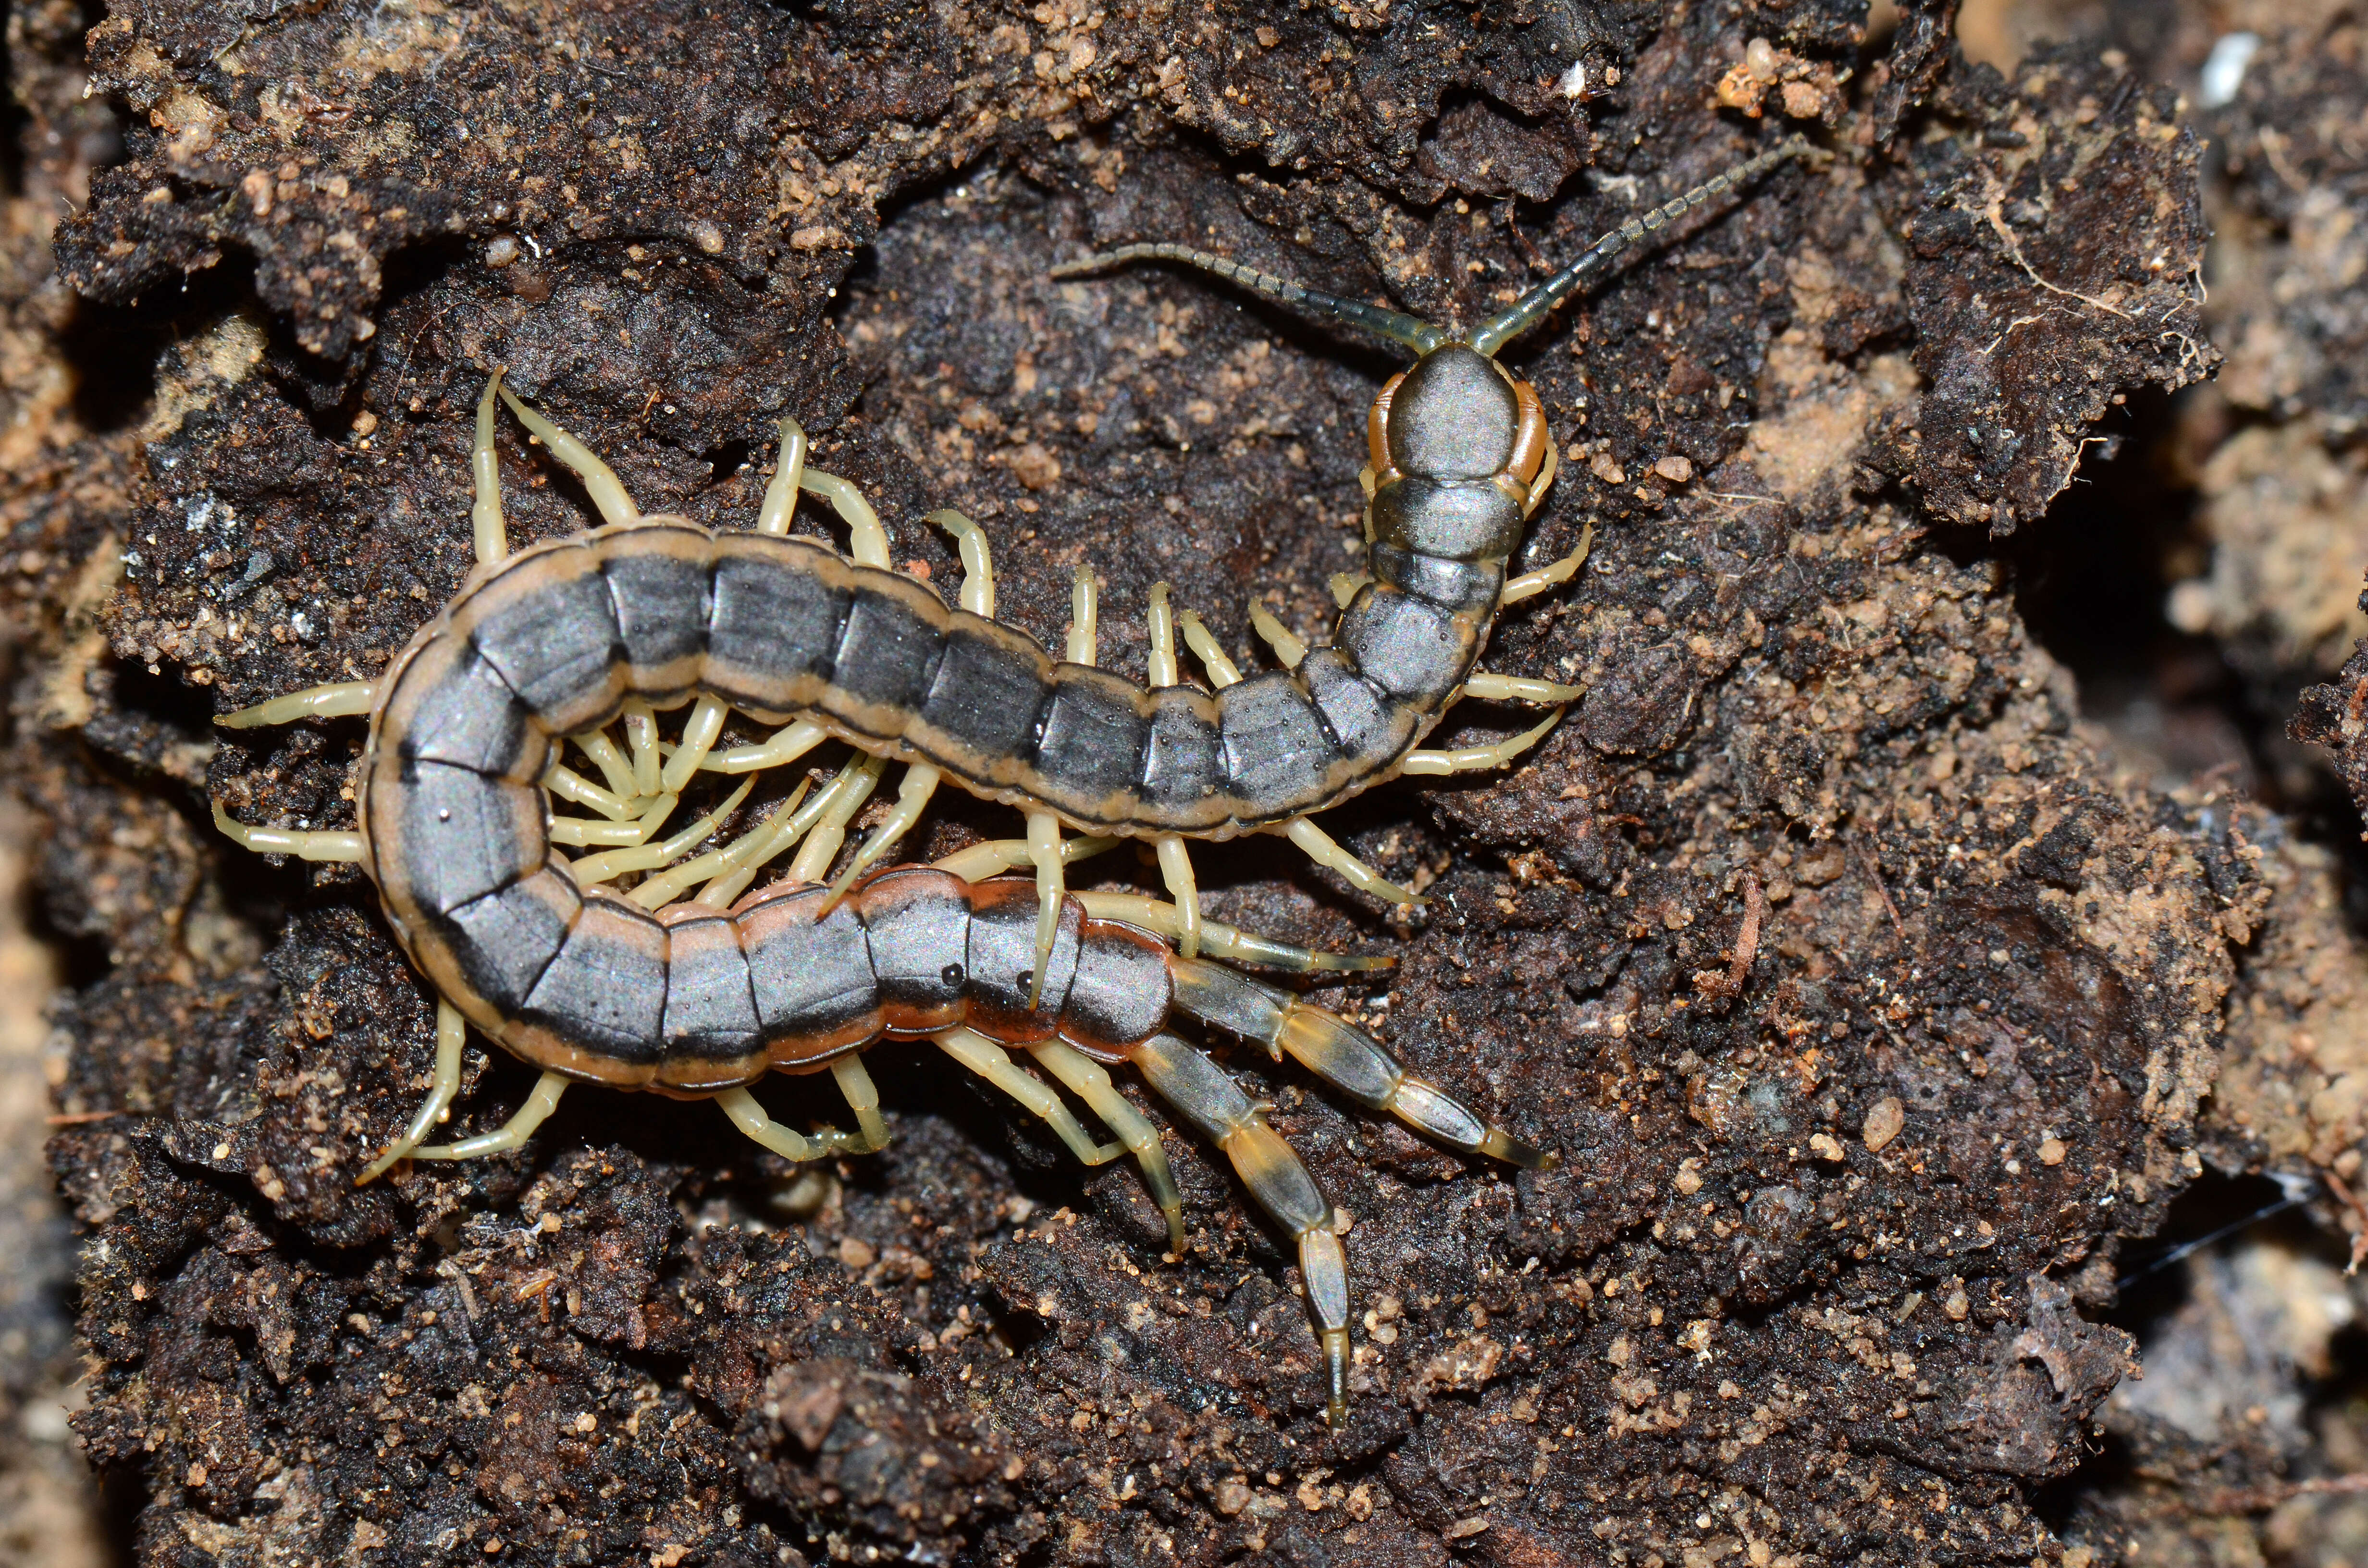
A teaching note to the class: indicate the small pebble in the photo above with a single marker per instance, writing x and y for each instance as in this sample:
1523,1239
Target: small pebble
1884,1122
1674,469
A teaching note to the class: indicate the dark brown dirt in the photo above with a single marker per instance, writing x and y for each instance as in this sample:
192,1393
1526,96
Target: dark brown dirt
1816,1282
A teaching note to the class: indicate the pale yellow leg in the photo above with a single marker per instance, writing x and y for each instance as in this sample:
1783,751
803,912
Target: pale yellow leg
782,494
319,845
978,567
1531,583
613,764
1045,849
750,1118
1219,939
1287,648
578,832
995,856
576,789
493,540
1471,759
863,1099
990,1061
1175,857
539,1103
600,482
451,1030
699,733
867,540
595,869
1345,585
1222,672
341,701
718,866
912,800
642,736
1082,617
1090,1083
786,745
1487,688
822,845
1323,851
1544,482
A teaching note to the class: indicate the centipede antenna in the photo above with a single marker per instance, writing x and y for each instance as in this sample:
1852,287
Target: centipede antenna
1597,259
1395,325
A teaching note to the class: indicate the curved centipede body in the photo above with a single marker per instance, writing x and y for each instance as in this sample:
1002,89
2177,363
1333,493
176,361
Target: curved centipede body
700,997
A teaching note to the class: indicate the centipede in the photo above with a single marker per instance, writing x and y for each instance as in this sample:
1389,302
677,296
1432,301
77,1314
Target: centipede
647,963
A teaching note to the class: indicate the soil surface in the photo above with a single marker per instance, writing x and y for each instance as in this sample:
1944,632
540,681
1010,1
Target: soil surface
1877,987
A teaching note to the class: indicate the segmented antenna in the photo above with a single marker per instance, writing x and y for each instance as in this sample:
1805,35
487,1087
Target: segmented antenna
1525,313
1418,336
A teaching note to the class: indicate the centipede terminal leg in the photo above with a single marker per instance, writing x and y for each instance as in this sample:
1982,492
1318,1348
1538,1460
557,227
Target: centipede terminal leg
599,480
451,1030
1090,1083
1217,939
1206,1096
540,1101
1345,1057
1175,857
992,1062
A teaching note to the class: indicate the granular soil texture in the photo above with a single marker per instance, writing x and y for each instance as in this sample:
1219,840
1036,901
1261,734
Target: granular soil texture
1869,1011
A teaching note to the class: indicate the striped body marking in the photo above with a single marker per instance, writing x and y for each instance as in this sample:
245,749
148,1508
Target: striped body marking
647,964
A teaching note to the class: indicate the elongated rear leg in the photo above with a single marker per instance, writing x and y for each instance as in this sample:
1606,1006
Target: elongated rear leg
599,480
992,1062
1175,857
1206,1096
451,1030
1318,845
1090,1083
1345,1057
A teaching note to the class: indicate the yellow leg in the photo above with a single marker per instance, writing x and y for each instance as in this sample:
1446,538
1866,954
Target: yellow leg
451,1030
1323,851
612,863
786,745
599,480
1222,672
1175,870
492,538
576,789
977,594
338,701
1471,759
642,736
822,845
912,800
1531,583
990,1061
1045,849
867,540
1544,481
863,1099
1219,939
1487,688
539,1103
997,856
699,733
1287,648
305,845
614,765
782,494
1345,585
1090,1083
578,832
1082,597
750,1118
